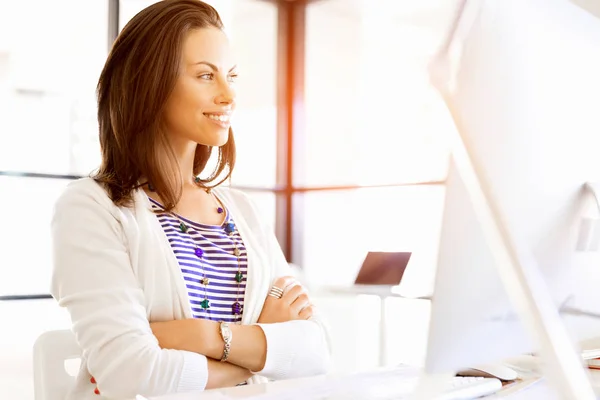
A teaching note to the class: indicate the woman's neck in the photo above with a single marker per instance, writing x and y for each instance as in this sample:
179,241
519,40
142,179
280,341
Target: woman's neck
186,153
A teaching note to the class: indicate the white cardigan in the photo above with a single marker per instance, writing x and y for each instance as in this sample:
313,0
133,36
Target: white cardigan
115,272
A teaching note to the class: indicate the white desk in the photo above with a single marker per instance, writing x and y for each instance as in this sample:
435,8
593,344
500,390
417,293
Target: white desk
543,391
241,392
536,391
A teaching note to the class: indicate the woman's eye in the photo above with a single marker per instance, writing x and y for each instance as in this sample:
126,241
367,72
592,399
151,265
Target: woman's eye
232,77
207,76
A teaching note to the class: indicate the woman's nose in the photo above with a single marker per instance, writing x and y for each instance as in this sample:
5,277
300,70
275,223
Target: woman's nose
226,95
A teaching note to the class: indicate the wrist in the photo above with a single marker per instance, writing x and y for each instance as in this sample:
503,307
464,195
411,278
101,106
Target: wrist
206,338
227,337
249,347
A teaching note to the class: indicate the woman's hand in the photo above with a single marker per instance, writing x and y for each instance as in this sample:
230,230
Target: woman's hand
294,305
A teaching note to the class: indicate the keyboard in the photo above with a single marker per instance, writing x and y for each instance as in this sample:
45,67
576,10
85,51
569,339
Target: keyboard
397,383
466,388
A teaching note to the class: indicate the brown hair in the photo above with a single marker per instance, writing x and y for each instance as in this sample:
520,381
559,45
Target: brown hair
138,77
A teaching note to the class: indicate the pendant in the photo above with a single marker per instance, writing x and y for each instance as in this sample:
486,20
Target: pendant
229,227
236,308
205,304
239,277
183,227
220,210
204,281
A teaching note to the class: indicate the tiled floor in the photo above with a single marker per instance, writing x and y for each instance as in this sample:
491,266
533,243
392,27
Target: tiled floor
354,322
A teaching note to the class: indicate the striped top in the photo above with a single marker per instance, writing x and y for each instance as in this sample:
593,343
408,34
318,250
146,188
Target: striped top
207,251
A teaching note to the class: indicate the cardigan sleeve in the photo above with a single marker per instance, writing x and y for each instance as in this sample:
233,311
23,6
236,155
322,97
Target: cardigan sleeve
294,348
93,278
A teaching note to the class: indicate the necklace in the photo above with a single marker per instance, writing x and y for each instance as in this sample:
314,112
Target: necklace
230,229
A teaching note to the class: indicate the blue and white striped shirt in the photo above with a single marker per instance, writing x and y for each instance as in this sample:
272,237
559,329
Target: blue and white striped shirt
215,261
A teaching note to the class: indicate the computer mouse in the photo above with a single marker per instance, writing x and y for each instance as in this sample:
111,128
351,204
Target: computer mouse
525,362
499,371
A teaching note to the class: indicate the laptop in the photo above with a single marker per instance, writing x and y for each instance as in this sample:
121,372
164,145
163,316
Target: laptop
379,273
383,268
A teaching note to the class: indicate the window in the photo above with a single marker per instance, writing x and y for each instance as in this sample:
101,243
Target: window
129,8
372,119
265,205
26,260
252,29
50,61
51,54
371,115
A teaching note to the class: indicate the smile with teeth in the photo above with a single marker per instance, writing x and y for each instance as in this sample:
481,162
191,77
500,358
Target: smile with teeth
219,117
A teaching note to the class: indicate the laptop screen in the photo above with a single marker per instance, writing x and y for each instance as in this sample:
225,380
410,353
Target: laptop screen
383,268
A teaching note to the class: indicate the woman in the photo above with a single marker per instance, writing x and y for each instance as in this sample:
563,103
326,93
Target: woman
174,284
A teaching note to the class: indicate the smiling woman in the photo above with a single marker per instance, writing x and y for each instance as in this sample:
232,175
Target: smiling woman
179,106
251,28
174,283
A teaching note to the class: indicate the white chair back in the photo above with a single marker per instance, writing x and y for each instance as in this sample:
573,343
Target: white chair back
50,352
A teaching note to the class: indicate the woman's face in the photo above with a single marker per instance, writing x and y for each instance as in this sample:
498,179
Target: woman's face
200,107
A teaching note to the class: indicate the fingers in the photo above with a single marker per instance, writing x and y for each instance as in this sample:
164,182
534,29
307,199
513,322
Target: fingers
301,302
279,287
283,282
307,312
292,294
275,292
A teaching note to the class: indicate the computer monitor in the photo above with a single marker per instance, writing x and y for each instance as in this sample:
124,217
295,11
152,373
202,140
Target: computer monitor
521,79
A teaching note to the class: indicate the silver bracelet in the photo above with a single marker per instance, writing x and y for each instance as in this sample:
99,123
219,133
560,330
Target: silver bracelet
227,336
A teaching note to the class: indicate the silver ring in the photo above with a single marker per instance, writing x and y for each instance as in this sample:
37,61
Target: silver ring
276,292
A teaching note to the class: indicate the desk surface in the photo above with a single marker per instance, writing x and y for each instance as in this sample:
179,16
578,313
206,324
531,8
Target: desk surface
535,391
241,392
377,290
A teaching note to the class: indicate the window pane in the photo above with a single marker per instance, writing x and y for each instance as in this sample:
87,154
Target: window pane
25,248
47,84
253,33
341,227
252,29
371,115
265,204
129,8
